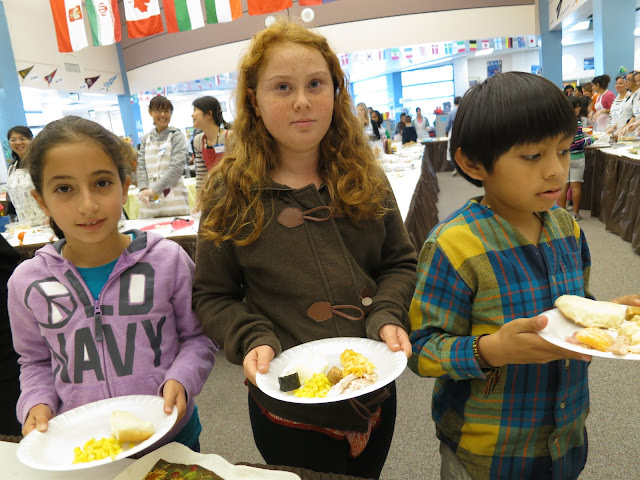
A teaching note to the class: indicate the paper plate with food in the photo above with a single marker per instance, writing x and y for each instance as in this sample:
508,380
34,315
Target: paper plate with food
601,329
97,433
331,370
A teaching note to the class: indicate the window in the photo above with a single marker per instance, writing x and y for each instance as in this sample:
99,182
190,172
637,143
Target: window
373,92
427,88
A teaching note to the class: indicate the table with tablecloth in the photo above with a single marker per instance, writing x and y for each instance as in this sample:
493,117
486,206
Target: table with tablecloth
436,149
611,190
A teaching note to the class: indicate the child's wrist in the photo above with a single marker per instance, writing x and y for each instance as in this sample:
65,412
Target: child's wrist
480,350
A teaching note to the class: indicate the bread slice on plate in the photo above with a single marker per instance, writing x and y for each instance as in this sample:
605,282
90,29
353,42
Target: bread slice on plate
591,313
127,428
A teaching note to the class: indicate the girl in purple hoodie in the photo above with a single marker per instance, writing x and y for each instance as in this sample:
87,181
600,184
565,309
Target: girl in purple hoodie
100,313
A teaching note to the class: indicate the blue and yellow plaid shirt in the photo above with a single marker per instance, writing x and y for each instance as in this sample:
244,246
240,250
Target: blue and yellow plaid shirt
477,272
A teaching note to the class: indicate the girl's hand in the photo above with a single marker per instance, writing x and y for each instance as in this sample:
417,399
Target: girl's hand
517,342
146,195
257,360
633,300
174,394
38,418
396,338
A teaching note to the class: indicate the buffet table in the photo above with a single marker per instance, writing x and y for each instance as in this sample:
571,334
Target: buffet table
436,148
128,469
611,190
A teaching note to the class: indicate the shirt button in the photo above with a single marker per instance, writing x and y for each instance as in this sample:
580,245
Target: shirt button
566,363
562,404
366,301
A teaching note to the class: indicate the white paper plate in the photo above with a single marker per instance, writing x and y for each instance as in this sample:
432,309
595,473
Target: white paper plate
560,327
53,449
389,365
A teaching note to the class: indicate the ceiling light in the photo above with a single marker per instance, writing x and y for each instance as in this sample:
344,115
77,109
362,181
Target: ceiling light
485,51
580,26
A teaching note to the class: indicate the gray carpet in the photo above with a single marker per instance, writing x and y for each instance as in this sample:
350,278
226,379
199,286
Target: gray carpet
615,404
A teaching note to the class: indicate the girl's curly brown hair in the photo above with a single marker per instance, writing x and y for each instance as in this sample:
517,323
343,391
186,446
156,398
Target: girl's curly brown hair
231,197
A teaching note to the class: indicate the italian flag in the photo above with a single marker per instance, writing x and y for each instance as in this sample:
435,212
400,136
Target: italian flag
69,25
183,15
143,18
104,18
221,11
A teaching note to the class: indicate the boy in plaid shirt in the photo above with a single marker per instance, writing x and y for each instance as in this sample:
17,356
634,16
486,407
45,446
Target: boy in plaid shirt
506,403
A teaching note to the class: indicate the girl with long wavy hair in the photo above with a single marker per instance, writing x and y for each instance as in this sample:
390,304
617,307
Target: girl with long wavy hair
301,239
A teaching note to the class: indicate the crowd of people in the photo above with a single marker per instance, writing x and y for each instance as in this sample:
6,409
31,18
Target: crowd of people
301,239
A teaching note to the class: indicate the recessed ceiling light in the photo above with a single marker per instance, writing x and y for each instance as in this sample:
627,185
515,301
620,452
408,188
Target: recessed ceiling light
580,26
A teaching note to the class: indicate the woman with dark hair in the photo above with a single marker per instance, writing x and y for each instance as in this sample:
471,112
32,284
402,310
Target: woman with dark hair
208,146
603,103
19,184
620,111
376,122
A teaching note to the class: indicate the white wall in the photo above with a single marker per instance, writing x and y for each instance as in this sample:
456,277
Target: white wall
518,61
33,39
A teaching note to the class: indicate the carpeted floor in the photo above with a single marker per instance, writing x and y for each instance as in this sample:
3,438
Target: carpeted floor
615,384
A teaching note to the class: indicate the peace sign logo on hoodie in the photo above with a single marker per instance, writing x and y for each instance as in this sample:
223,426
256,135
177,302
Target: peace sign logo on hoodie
58,299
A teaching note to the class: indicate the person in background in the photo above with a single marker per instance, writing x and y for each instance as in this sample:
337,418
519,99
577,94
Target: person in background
365,120
19,185
115,306
421,124
569,90
378,129
585,103
621,110
577,163
161,161
578,91
9,367
208,146
409,133
602,103
451,117
633,102
400,125
301,239
587,92
507,404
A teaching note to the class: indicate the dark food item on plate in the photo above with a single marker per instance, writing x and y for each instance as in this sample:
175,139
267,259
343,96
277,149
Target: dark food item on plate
289,381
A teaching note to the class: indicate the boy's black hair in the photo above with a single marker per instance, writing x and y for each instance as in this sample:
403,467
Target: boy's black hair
160,103
506,110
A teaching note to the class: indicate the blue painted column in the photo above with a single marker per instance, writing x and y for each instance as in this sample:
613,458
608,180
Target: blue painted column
397,94
613,39
550,46
11,108
129,110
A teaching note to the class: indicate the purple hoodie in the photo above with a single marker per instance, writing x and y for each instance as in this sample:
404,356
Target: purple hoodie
140,333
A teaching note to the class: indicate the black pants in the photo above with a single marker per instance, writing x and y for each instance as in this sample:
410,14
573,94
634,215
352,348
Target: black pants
280,445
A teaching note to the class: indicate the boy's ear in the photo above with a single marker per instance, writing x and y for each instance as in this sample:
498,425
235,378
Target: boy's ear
254,102
473,169
38,198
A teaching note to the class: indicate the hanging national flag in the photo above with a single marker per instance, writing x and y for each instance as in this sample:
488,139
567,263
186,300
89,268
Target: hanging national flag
497,43
222,11
260,7
485,44
408,53
508,42
109,82
69,25
448,48
182,15
49,78
473,45
422,50
344,59
104,19
143,18
310,3
91,80
25,71
395,54
461,47
521,42
435,49
533,41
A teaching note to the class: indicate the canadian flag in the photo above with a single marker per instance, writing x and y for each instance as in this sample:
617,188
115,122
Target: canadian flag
69,25
143,18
